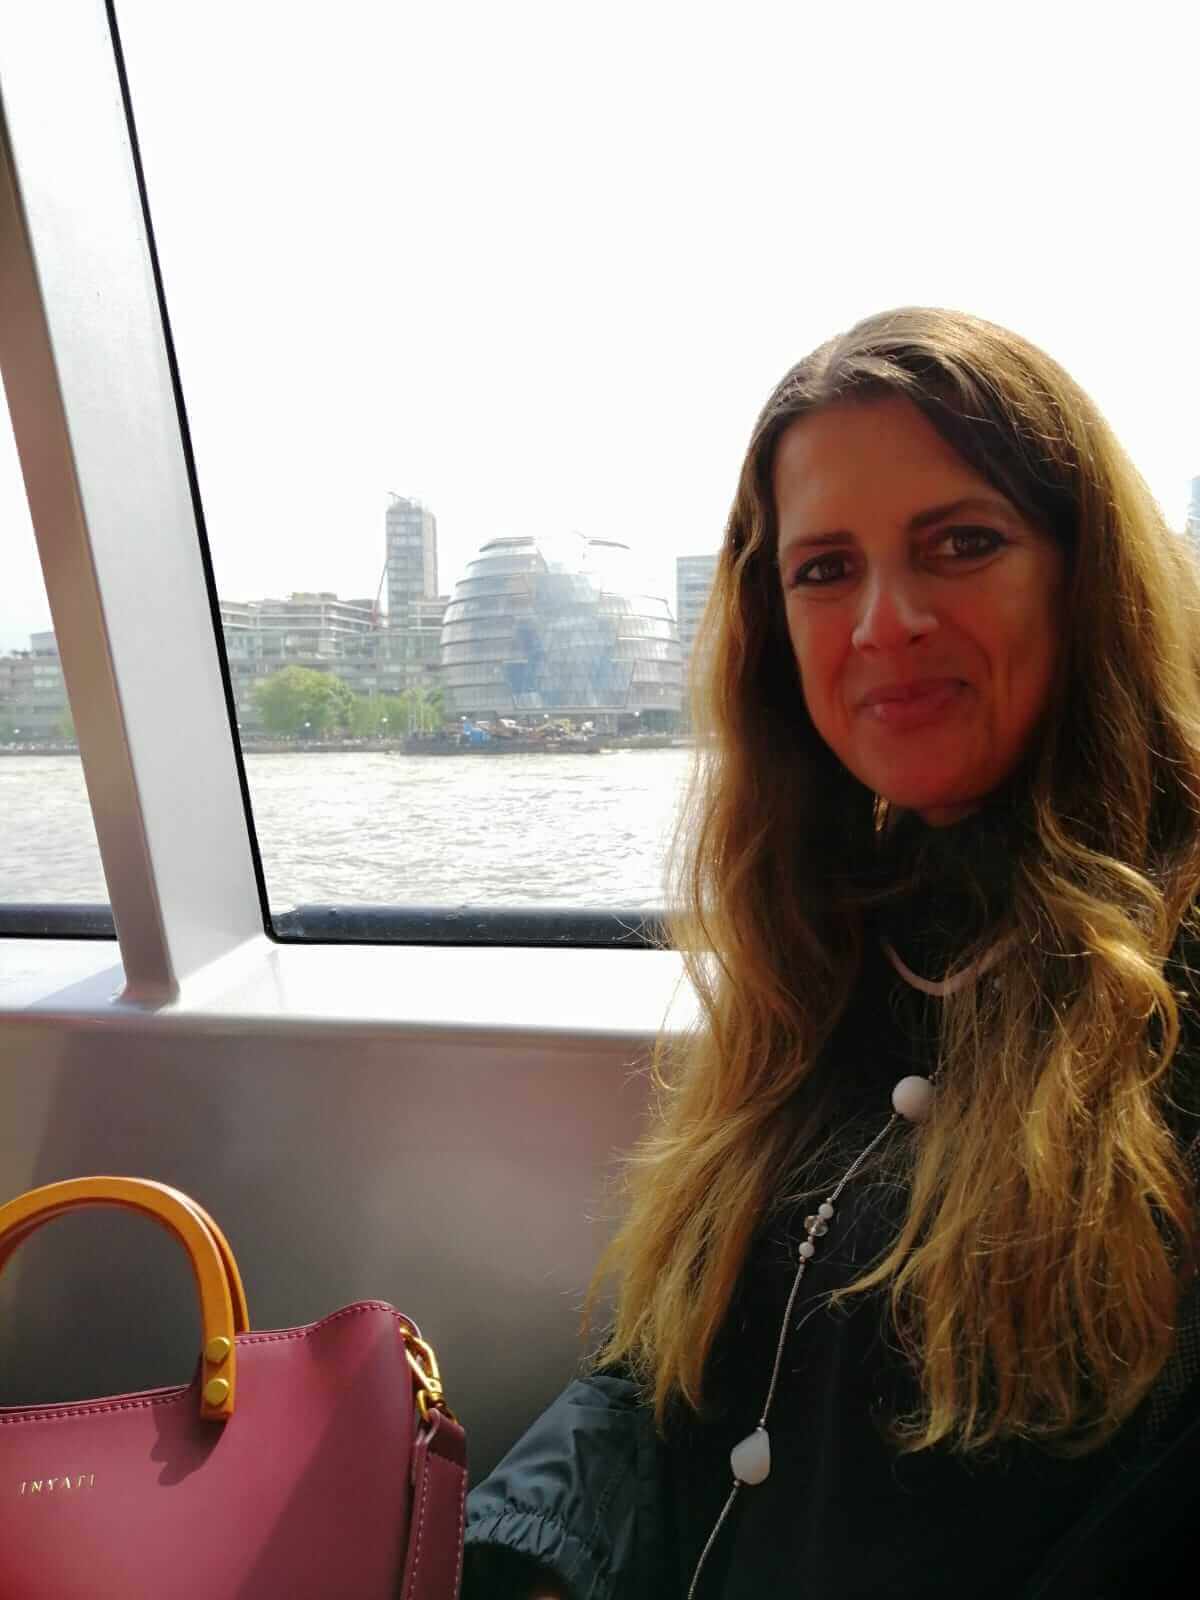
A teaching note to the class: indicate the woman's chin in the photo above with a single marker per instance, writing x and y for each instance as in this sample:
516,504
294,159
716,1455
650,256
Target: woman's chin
936,804
944,816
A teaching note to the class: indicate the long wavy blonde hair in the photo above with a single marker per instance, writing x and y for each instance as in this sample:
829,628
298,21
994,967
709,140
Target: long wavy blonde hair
1050,1219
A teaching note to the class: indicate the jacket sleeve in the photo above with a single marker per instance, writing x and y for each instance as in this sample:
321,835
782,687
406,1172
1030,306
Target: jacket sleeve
579,1497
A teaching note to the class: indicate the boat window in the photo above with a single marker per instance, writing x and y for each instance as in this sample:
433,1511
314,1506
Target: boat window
50,873
474,308
443,551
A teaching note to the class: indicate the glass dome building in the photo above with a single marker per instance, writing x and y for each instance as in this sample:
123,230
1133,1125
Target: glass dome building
560,626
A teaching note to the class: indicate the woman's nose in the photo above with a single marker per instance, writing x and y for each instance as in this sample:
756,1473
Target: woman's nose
894,611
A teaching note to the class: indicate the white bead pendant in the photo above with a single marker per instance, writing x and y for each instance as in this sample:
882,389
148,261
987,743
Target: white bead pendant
913,1098
751,1460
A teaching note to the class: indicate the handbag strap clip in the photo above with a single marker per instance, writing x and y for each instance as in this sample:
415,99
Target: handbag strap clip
423,1361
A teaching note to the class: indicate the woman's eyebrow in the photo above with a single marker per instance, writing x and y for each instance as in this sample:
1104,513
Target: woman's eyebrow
922,519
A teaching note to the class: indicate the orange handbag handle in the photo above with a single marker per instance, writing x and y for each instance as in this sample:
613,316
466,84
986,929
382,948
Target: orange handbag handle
237,1293
241,1314
222,1298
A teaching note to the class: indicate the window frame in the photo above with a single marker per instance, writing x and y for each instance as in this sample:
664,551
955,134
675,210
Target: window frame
102,436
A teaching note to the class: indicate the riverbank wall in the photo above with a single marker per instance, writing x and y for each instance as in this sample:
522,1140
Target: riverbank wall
312,747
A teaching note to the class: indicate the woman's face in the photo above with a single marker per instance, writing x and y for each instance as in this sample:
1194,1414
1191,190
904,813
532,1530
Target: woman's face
923,609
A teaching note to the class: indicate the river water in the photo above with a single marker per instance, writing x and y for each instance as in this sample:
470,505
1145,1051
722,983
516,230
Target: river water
388,829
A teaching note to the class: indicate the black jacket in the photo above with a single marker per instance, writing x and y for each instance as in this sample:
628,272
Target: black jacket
583,1495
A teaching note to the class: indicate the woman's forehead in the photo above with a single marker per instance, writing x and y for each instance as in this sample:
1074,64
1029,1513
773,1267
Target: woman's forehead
881,458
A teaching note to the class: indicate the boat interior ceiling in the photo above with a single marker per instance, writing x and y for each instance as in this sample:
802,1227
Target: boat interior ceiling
427,1116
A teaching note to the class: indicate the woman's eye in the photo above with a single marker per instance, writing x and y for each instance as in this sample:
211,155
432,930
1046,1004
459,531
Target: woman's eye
818,571
968,542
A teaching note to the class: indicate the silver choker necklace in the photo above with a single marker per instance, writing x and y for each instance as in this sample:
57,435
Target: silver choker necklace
954,981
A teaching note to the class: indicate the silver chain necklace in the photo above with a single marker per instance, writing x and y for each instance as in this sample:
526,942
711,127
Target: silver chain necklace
912,1098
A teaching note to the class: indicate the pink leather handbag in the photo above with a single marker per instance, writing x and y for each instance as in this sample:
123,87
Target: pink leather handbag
306,1464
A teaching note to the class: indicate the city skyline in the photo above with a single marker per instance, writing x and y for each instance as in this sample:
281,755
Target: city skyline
380,583
530,627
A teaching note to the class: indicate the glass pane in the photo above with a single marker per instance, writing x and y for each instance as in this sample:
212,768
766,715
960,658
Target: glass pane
475,308
48,851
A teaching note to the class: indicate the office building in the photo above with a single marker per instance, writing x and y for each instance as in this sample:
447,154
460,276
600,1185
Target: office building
693,579
411,536
33,693
560,627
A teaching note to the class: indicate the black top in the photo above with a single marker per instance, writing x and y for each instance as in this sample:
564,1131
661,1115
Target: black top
842,1513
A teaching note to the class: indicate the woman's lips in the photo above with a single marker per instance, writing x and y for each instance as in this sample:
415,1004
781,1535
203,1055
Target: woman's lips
912,705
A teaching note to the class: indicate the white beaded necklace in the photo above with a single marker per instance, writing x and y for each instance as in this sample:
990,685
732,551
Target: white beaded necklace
911,1100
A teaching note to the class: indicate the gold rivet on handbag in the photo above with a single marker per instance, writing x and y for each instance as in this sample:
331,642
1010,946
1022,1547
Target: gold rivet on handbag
215,1391
216,1350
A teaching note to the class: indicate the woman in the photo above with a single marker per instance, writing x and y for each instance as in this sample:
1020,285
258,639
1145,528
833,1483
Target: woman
905,1299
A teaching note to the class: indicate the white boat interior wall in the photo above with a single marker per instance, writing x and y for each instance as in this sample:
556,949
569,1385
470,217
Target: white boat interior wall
363,1122
430,1125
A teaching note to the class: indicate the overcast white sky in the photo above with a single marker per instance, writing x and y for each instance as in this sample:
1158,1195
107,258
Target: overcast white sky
540,264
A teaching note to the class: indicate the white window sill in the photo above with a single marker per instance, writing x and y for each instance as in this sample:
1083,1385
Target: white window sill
581,994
